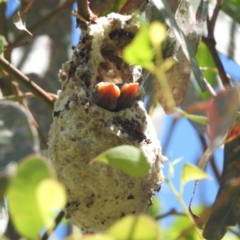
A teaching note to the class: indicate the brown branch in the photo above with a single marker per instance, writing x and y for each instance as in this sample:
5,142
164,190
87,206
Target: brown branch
211,44
214,16
84,10
14,46
26,82
57,220
41,22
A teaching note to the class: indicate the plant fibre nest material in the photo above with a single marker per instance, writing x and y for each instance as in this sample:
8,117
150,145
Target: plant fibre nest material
99,194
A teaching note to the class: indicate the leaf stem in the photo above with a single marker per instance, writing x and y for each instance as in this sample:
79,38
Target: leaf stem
185,209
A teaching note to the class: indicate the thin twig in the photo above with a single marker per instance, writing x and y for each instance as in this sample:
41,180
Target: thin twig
26,82
23,95
57,220
17,97
214,16
169,213
211,44
14,46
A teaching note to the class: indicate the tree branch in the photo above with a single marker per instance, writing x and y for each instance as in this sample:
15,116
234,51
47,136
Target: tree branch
169,213
214,16
211,44
26,82
84,10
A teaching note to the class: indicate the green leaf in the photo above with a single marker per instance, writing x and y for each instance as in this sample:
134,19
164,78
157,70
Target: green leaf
139,51
171,166
204,59
195,118
51,197
157,33
179,227
126,158
137,227
191,172
154,209
23,200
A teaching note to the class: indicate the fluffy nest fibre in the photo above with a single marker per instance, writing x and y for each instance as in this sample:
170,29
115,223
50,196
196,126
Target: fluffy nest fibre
99,194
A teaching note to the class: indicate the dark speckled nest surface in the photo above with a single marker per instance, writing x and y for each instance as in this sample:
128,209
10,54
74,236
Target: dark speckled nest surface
99,194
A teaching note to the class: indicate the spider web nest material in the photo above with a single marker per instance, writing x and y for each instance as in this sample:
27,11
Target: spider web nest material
98,194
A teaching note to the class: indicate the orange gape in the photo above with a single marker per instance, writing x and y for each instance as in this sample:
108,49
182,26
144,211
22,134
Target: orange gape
127,96
106,94
115,97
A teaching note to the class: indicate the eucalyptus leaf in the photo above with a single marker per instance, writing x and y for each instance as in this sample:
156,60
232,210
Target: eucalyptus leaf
165,10
126,158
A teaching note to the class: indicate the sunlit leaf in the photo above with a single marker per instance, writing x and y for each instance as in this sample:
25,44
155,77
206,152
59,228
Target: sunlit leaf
180,225
22,196
139,51
171,166
137,227
191,172
126,158
51,197
96,237
157,33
